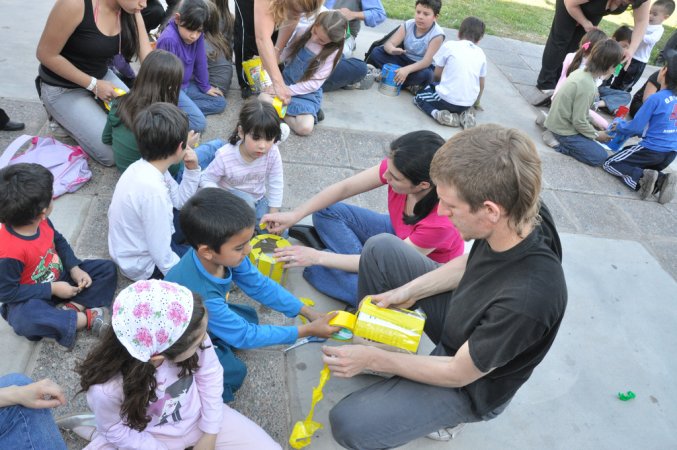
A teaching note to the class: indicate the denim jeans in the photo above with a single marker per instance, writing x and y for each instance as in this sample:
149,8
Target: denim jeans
347,71
26,428
344,229
196,119
581,148
379,58
614,98
208,104
79,114
259,206
37,317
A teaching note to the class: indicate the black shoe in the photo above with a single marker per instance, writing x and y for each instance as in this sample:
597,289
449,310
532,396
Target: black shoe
246,92
307,235
13,126
320,116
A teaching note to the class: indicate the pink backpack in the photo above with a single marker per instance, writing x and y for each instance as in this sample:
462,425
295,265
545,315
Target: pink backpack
67,163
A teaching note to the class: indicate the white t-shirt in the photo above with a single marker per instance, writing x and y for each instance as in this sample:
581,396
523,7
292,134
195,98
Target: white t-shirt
464,64
140,218
651,37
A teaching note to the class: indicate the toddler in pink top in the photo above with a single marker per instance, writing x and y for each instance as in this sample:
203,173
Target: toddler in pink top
154,381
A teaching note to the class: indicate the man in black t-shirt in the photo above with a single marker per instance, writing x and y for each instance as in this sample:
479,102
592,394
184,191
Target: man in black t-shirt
492,314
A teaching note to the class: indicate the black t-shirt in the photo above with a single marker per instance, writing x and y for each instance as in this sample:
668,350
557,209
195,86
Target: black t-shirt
594,10
509,306
87,49
639,95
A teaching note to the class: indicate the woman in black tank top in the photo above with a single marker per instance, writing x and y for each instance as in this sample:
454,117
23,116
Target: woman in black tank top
79,39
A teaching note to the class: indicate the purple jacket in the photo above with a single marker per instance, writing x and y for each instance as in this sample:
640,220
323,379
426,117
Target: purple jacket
193,56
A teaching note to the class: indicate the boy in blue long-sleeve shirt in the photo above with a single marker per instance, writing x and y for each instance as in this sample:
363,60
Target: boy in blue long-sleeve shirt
641,165
219,226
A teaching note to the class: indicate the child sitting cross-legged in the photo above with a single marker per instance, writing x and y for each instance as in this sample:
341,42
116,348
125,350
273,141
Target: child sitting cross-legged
250,165
45,290
154,381
413,46
462,67
141,231
641,165
219,227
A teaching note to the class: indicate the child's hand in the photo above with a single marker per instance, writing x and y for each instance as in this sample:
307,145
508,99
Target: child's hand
319,327
396,51
602,136
401,74
190,159
477,106
64,290
348,14
297,256
193,139
81,277
214,92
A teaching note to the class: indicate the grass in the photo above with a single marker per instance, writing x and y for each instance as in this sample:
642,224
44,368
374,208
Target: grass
526,20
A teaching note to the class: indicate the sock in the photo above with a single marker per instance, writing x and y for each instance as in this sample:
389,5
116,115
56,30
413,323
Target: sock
435,113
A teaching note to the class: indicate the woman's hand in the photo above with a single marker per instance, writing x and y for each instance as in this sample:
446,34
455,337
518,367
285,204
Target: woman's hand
298,256
105,90
282,92
39,395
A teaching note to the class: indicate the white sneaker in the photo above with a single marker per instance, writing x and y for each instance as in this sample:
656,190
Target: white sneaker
284,132
550,139
446,434
540,118
467,119
57,131
447,118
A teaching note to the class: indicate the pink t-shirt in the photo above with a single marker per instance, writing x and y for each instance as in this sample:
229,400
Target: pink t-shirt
433,231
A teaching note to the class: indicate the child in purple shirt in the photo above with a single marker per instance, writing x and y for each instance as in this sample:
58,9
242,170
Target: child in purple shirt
183,37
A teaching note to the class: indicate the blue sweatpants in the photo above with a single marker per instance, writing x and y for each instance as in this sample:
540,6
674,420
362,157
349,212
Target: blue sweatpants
630,162
38,318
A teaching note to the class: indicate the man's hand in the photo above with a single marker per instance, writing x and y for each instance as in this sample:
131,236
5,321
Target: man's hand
190,159
62,289
348,360
42,394
348,14
81,277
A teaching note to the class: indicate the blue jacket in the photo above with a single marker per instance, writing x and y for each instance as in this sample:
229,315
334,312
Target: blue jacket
223,322
655,122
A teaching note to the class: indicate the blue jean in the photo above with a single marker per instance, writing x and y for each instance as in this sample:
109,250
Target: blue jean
344,229
26,428
208,104
379,58
347,71
428,100
293,72
259,206
581,148
196,120
38,318
614,98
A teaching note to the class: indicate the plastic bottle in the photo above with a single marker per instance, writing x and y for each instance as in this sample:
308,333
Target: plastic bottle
618,139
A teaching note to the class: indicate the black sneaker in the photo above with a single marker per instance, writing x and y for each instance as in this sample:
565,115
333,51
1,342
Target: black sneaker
320,115
667,192
647,183
307,235
246,92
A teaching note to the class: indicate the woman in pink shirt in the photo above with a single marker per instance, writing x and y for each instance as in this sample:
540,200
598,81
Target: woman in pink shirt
344,229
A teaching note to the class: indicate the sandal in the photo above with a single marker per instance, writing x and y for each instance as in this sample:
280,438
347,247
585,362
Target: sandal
446,434
307,235
66,306
83,425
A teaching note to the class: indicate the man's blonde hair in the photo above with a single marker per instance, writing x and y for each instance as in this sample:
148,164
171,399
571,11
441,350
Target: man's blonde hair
493,163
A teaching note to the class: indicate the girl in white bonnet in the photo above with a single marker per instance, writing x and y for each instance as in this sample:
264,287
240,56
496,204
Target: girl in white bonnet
154,381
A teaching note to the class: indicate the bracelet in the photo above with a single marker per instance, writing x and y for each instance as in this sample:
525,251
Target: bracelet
96,91
92,84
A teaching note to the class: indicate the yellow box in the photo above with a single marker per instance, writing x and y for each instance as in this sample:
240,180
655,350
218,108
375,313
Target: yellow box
280,107
261,256
399,328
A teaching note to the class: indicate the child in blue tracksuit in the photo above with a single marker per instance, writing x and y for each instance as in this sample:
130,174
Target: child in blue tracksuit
219,226
641,165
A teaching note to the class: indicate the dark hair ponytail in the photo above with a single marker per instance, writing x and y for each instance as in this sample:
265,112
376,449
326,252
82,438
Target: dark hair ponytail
412,154
671,72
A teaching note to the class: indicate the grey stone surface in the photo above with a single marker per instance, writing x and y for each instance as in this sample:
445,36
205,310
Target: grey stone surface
32,114
598,215
367,150
91,241
502,58
520,75
651,218
562,172
664,250
534,62
325,147
562,216
315,178
69,214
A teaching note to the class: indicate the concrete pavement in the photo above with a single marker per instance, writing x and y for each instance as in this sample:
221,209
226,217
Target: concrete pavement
618,259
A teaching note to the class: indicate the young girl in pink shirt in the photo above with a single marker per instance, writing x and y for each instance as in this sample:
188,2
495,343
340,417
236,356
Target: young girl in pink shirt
343,229
154,381
309,58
